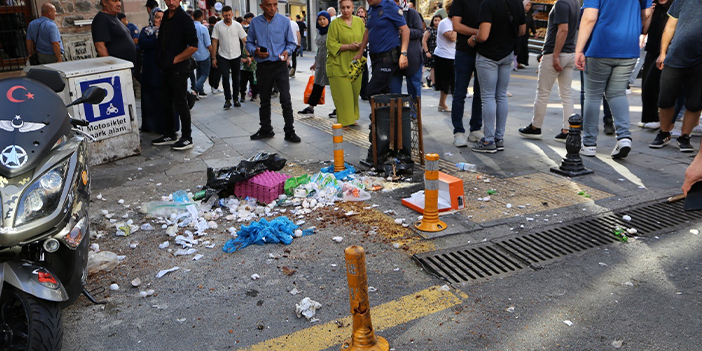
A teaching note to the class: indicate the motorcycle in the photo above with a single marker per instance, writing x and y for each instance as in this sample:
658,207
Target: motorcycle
44,223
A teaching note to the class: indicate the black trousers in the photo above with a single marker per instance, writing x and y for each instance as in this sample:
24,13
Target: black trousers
247,77
227,67
267,74
294,59
174,90
315,95
383,70
215,76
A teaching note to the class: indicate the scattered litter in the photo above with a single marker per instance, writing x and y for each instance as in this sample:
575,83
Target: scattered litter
181,320
120,201
620,233
694,231
626,218
255,276
133,245
629,283
307,307
114,287
372,289
617,343
294,291
396,245
398,221
184,252
467,167
147,293
198,257
568,322
166,271
603,264
136,282
338,239
444,287
279,230
147,227
632,231
102,261
288,271
510,309
508,205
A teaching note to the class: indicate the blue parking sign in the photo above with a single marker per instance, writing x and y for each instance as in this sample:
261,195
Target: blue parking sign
111,106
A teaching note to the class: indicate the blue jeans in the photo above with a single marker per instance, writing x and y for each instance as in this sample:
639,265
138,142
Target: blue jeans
494,79
464,68
606,77
202,71
414,83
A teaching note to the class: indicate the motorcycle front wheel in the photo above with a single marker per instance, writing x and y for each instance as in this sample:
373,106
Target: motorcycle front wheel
29,323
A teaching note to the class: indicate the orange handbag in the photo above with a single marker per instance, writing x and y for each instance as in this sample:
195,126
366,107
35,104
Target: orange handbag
308,92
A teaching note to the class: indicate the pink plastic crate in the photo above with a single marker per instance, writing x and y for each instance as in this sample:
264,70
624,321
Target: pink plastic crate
264,187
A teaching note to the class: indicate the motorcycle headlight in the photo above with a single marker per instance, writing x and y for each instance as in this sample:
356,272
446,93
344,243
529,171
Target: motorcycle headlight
42,197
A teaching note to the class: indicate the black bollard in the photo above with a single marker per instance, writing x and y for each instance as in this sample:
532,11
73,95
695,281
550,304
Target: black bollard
572,165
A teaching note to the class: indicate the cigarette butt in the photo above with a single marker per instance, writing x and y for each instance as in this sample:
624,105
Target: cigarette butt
676,198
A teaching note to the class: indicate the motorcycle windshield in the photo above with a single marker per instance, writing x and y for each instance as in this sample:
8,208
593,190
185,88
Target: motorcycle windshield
32,119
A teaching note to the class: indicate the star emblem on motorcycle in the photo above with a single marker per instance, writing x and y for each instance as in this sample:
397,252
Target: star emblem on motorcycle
13,156
18,123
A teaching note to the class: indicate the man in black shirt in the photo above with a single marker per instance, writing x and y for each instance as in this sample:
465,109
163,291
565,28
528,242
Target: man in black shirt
110,36
303,33
464,16
177,42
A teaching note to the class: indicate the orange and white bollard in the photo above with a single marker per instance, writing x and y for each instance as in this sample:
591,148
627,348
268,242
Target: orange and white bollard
338,138
430,222
363,336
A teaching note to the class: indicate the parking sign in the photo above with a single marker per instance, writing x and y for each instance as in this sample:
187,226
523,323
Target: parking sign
113,104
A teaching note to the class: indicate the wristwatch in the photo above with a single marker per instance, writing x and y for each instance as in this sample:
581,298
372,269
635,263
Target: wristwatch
403,53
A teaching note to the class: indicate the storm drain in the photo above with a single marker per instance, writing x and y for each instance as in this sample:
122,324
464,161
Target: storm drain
501,257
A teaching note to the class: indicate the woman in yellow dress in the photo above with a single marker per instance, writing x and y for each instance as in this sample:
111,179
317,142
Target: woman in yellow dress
343,43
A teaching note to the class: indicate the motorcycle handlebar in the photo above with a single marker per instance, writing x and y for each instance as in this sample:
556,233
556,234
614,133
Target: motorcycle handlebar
79,122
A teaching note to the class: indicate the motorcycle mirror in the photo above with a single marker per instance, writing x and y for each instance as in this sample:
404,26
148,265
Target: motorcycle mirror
92,95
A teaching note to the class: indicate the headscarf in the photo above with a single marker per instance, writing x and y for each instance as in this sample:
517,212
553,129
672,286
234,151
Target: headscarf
152,14
526,2
151,29
323,30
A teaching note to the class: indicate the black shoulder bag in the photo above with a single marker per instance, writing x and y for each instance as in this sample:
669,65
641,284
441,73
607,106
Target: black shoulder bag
34,59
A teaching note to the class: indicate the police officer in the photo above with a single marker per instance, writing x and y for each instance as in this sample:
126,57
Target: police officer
387,52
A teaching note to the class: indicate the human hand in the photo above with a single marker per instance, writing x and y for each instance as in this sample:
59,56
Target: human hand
557,63
580,61
260,54
214,62
471,41
693,174
660,61
403,62
358,56
428,54
313,67
284,56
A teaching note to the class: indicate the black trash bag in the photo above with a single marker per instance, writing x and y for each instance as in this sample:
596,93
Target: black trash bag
224,178
398,163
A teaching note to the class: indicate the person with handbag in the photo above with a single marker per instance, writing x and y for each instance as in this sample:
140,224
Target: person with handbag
44,43
343,44
320,64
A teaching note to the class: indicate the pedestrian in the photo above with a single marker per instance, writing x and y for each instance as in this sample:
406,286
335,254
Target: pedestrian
429,45
387,50
151,6
440,10
444,56
202,55
133,29
303,33
681,63
363,14
415,61
464,16
215,73
298,39
177,42
43,37
320,63
521,57
557,64
271,41
248,76
110,36
332,13
343,44
501,23
607,49
227,37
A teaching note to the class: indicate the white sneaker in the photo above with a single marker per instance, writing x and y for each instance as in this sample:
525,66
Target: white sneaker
589,151
628,92
675,132
475,136
217,91
622,148
652,125
459,140
697,131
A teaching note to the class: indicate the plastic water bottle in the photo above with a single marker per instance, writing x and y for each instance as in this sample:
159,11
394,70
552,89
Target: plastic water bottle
462,166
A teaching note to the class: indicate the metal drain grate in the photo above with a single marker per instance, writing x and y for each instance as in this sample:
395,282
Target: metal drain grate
510,255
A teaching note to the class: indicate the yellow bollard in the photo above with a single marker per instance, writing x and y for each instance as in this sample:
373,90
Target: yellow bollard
363,336
338,138
430,221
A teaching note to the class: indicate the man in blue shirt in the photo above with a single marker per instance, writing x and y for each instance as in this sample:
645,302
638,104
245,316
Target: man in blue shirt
270,39
133,29
43,36
388,53
681,62
202,55
607,49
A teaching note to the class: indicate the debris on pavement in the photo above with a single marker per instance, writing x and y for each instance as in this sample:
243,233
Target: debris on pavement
626,218
147,293
102,261
337,239
255,276
568,322
617,343
307,307
279,230
114,287
166,271
136,282
694,231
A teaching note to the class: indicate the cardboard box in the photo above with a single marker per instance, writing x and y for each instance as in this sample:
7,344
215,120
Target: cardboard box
451,195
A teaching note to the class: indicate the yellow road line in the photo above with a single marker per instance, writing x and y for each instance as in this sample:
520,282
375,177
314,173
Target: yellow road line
385,316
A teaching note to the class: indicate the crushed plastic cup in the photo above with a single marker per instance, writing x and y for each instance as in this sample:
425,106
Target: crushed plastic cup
180,196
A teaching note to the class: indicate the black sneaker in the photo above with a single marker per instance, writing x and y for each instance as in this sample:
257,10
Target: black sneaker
261,134
183,144
201,94
333,114
662,139
292,137
609,129
561,137
164,140
307,111
684,143
530,132
237,103
227,104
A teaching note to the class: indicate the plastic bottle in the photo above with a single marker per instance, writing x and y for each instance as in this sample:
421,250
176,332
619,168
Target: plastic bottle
462,166
180,196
